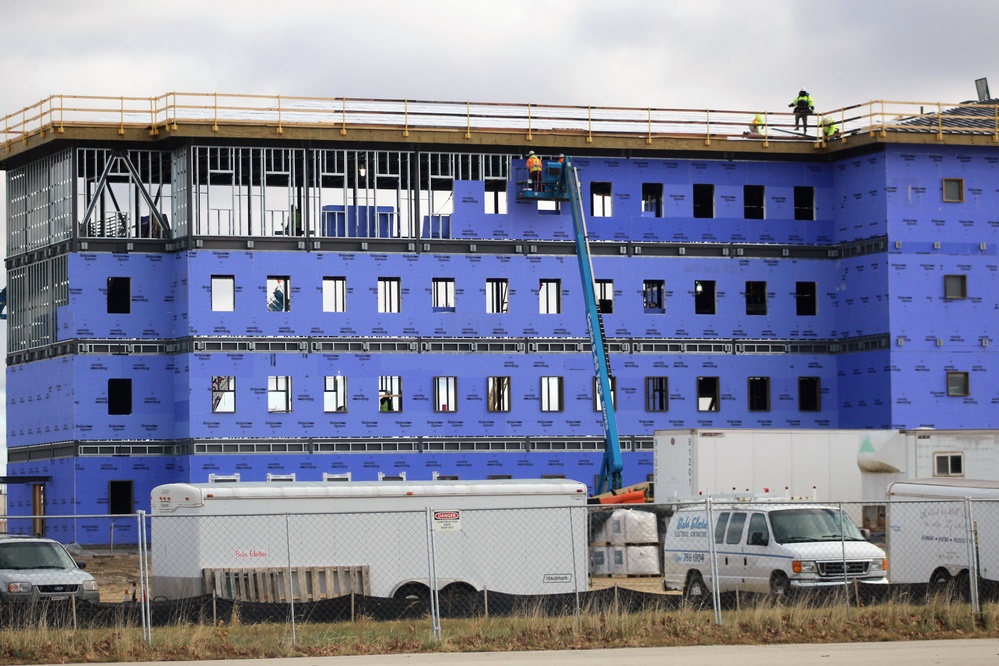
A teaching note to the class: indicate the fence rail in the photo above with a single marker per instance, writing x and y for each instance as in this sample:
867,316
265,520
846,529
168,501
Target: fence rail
169,111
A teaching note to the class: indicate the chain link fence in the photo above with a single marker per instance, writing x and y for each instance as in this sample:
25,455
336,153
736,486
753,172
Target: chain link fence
709,556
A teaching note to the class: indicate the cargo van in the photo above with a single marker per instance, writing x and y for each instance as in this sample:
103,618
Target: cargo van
766,547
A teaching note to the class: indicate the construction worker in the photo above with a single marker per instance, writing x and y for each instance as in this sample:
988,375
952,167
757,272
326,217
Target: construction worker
534,169
754,127
803,107
830,130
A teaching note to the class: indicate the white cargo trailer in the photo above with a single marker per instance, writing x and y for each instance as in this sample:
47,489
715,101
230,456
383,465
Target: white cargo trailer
933,532
813,464
512,536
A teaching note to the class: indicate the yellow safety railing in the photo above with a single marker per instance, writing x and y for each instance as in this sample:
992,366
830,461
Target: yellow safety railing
170,111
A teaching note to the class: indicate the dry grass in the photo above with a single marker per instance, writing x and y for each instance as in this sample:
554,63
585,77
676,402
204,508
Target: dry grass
753,624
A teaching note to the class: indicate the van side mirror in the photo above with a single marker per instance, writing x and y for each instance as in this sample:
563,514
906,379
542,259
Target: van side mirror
757,539
866,533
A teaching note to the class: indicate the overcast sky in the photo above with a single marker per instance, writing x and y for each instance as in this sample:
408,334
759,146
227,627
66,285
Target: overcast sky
680,54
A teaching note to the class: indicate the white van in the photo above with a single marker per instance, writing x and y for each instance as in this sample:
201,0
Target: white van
771,547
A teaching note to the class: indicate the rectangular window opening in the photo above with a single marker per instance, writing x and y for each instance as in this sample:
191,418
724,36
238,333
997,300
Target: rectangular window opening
704,200
389,295
278,293
278,394
497,296
652,199
335,294
443,295
119,396
598,404
753,198
656,394
805,299
809,394
654,296
495,197
708,394
605,296
759,394
121,498
756,298
119,295
334,393
704,297
955,287
600,200
957,384
948,464
953,190
223,293
445,394
552,394
498,394
550,296
804,203
390,393
223,394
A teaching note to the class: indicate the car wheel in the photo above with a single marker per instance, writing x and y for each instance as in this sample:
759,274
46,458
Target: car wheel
780,586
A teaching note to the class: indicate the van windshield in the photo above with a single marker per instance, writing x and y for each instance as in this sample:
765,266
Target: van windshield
812,524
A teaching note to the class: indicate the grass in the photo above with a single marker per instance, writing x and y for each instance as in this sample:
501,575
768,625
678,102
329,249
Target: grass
752,624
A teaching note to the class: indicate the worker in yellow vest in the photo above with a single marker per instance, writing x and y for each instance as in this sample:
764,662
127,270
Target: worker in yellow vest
534,169
803,107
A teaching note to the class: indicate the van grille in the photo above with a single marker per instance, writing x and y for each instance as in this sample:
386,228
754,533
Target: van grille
835,569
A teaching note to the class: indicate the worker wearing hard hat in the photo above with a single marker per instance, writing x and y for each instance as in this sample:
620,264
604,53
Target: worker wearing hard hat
803,107
534,169
830,130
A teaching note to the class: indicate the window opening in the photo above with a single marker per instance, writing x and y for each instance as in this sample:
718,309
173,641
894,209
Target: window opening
652,199
496,197
279,293
335,294
759,394
704,297
121,498
552,394
953,190
654,296
334,393
598,404
445,394
389,296
223,293
497,296
704,200
498,398
656,394
809,394
119,396
707,394
948,464
756,298
955,287
119,295
278,393
804,203
223,394
600,199
806,303
550,295
443,295
605,296
753,202
957,384
390,393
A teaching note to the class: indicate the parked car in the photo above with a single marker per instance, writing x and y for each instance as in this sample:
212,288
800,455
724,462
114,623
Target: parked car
36,569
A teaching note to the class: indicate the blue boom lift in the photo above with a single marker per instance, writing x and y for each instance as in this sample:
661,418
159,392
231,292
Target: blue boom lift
559,182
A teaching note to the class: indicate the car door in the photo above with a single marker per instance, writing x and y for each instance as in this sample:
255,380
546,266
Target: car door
757,553
731,565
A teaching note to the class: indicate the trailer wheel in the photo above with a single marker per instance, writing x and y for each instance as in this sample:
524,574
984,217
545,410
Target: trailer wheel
780,586
457,599
962,585
941,582
413,592
695,591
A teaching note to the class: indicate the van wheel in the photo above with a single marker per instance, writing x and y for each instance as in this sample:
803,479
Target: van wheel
694,589
780,586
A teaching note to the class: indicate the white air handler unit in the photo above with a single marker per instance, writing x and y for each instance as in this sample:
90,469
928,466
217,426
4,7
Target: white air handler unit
931,537
510,536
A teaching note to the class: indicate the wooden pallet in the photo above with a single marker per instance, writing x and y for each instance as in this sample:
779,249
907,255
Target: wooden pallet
270,584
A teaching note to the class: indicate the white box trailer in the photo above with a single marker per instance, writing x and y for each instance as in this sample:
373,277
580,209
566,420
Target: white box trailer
922,453
813,464
931,538
512,536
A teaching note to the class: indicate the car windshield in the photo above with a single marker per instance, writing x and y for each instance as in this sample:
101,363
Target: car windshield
813,524
34,555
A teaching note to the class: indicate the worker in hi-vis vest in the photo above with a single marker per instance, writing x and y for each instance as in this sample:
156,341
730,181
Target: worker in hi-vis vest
534,169
803,107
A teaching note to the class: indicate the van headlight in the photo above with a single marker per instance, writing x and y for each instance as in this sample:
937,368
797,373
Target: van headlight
90,586
806,566
19,588
880,564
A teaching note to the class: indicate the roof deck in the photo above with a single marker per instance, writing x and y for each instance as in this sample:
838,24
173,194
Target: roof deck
538,126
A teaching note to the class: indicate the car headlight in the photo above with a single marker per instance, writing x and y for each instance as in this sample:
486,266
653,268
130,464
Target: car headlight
880,564
90,585
799,566
18,588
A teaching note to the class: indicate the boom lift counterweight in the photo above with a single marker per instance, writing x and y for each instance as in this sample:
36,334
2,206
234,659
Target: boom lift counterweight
560,182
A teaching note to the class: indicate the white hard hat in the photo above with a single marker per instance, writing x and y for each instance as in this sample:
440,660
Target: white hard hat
530,152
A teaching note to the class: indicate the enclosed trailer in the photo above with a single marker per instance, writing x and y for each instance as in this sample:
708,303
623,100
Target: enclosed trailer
934,532
512,536
813,464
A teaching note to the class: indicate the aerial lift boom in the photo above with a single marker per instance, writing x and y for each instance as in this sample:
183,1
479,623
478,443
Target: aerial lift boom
560,182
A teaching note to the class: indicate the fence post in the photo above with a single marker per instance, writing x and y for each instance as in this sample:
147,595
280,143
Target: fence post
575,571
713,565
971,537
291,581
435,609
147,626
842,544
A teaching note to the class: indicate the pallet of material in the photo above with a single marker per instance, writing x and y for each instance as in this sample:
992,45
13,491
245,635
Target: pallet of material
270,584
